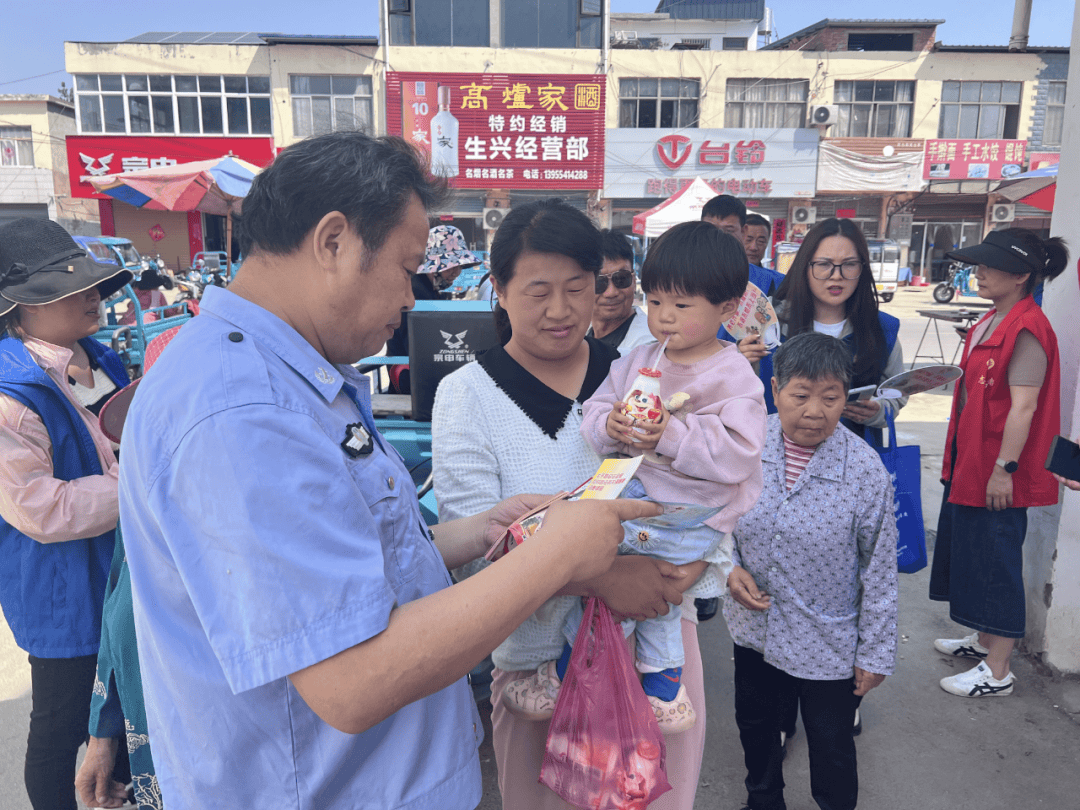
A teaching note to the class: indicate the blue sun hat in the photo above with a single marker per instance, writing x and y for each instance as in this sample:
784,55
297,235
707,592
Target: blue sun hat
447,250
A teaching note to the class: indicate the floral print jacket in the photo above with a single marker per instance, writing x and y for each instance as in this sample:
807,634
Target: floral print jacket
825,552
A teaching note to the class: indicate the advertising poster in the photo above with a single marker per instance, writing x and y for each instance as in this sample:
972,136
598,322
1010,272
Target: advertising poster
973,160
747,163
517,131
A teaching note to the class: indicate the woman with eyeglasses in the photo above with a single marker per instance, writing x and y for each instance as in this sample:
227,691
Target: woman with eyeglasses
830,289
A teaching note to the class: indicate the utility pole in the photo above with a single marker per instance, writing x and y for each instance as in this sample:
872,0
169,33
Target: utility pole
1018,40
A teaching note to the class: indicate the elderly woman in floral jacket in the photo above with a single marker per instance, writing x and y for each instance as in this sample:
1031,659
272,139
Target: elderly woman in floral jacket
813,597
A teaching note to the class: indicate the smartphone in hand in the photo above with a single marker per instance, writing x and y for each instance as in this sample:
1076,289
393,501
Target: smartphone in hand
1064,458
858,394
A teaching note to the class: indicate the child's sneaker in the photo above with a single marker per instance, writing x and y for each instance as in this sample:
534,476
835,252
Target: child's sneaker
674,716
978,682
533,698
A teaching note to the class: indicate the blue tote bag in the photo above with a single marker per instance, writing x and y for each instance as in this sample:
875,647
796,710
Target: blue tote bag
905,469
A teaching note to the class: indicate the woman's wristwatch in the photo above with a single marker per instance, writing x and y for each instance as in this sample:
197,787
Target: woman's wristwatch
1008,466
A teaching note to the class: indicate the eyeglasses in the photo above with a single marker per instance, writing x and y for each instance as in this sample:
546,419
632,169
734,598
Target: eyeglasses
621,279
823,269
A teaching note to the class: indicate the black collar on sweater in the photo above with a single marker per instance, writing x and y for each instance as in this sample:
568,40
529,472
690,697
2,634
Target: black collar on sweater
548,409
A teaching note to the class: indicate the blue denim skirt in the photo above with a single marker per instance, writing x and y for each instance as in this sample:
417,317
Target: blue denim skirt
978,567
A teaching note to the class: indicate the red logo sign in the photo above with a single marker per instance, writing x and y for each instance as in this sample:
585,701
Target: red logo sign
96,155
673,150
156,232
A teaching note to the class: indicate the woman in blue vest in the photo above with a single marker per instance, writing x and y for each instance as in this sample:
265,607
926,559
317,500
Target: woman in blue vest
830,289
58,485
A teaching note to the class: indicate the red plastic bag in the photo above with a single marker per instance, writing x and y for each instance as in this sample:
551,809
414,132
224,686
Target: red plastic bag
604,748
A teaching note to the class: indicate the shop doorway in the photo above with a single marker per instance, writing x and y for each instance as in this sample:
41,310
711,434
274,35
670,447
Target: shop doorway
214,236
930,241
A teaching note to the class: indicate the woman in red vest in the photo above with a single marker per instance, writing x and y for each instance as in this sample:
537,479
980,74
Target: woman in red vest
1005,412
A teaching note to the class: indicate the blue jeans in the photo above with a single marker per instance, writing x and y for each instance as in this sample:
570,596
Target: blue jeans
659,640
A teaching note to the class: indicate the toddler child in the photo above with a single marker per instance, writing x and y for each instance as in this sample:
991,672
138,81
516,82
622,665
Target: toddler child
708,452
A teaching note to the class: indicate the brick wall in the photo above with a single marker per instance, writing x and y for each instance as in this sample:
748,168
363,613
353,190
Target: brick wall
1056,68
836,39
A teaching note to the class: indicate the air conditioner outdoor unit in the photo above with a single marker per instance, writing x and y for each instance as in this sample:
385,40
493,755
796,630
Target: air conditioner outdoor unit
625,36
824,115
804,215
1003,212
493,218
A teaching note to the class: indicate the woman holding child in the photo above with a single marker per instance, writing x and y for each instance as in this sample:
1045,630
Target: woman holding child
509,423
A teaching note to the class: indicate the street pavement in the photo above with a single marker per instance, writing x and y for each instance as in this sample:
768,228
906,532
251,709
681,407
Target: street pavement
920,747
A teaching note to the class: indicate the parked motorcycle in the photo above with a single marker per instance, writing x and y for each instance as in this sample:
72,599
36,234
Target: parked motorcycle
961,280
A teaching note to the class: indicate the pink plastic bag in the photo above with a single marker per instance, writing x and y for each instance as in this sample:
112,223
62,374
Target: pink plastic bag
605,750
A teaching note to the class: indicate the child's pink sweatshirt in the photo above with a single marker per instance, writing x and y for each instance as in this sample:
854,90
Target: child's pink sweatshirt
715,449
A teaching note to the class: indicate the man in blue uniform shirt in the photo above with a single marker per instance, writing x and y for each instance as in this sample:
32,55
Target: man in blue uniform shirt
300,640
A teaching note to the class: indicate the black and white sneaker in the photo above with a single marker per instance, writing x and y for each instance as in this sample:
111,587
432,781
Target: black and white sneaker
967,647
978,682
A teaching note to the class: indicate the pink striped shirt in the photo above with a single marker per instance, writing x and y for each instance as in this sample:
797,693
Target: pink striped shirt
796,457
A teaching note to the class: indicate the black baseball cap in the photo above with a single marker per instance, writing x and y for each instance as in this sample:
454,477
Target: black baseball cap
1002,252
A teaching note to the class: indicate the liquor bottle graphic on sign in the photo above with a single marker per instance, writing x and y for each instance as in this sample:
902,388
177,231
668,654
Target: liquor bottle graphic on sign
444,138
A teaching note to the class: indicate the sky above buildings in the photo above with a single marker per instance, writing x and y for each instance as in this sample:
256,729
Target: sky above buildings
33,32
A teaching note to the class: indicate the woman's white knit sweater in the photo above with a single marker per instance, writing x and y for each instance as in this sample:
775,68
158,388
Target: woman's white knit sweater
485,449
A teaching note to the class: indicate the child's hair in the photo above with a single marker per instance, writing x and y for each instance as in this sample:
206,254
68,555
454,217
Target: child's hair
697,258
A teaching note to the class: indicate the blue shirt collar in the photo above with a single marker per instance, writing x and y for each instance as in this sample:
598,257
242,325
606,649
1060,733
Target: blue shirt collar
278,336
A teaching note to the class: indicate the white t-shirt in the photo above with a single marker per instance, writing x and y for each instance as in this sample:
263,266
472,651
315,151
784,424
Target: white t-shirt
830,329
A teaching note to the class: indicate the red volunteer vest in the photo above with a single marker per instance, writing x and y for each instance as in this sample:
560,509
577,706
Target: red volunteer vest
979,428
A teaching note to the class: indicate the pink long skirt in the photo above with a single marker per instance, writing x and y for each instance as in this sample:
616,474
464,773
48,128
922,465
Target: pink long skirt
519,745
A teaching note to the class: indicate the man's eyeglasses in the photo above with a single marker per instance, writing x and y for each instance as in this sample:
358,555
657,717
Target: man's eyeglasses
823,269
622,279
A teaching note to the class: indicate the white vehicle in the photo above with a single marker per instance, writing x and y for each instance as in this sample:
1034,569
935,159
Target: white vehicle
885,265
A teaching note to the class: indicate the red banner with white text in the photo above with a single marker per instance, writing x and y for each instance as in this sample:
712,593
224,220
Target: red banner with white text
515,131
97,155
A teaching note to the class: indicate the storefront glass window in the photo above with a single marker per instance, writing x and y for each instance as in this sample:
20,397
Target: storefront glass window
985,109
195,105
647,103
16,146
323,104
874,109
779,103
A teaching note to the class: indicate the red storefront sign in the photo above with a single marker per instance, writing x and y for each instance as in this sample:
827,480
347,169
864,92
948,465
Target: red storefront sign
973,160
1040,160
97,155
517,131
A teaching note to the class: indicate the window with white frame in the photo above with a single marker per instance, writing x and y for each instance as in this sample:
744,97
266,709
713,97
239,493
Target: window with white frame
1055,114
169,105
16,146
322,104
667,103
766,102
979,109
875,109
